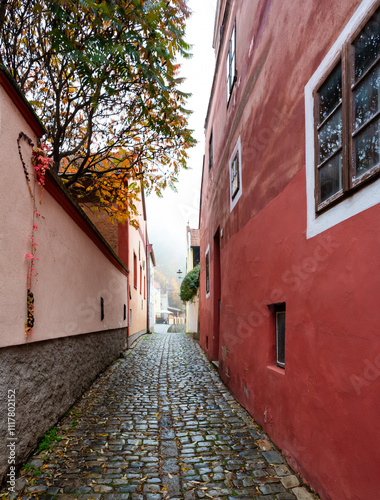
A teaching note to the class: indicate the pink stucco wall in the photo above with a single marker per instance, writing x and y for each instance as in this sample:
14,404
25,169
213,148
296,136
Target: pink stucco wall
72,272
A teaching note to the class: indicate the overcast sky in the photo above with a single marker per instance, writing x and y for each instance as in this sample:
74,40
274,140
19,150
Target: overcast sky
168,216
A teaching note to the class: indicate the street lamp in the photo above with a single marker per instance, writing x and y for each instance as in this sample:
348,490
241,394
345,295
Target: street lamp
179,272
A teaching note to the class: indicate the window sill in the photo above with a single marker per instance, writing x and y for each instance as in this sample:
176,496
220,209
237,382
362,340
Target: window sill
276,369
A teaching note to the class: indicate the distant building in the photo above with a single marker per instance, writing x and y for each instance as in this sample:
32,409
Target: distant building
157,299
192,260
164,301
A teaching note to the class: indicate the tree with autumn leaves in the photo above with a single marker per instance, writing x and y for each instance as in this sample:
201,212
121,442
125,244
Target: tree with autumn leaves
103,77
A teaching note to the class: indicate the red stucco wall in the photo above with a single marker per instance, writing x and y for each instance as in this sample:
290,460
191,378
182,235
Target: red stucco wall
322,410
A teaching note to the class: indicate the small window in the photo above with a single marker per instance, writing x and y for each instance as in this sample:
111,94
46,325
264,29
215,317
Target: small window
207,273
347,118
279,311
101,309
231,63
210,153
235,175
134,270
235,181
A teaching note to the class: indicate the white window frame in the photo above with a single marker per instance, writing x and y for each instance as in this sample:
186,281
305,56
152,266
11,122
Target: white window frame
231,63
236,152
366,197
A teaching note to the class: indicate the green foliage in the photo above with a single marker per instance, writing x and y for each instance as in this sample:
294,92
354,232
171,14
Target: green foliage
26,468
37,472
190,285
47,439
31,469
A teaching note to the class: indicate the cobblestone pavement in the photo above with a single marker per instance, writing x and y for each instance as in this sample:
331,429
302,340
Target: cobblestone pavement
159,424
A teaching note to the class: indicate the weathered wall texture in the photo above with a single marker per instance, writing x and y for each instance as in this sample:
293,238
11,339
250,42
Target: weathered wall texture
322,410
47,378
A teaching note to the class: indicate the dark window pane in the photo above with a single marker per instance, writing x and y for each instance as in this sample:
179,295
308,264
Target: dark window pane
330,136
231,63
330,94
210,153
101,309
367,98
367,45
280,337
229,75
330,178
235,183
367,149
233,54
207,273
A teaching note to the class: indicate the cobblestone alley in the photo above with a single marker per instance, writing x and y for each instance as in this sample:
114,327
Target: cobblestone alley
159,424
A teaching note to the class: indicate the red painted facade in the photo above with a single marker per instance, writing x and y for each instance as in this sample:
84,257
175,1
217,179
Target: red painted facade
322,409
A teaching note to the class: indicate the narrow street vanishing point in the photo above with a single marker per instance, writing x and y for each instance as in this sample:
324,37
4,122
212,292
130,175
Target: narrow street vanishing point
159,424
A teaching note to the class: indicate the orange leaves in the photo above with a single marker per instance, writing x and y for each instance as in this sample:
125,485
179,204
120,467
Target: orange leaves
109,96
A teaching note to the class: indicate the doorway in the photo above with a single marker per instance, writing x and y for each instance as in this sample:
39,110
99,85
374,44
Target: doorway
217,297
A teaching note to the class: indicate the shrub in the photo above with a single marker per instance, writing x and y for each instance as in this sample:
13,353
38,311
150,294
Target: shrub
190,285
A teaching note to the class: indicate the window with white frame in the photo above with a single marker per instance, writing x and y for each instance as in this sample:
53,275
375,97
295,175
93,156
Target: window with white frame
347,118
231,63
235,175
343,124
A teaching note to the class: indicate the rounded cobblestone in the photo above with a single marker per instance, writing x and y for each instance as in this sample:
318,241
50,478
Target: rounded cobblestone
159,424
